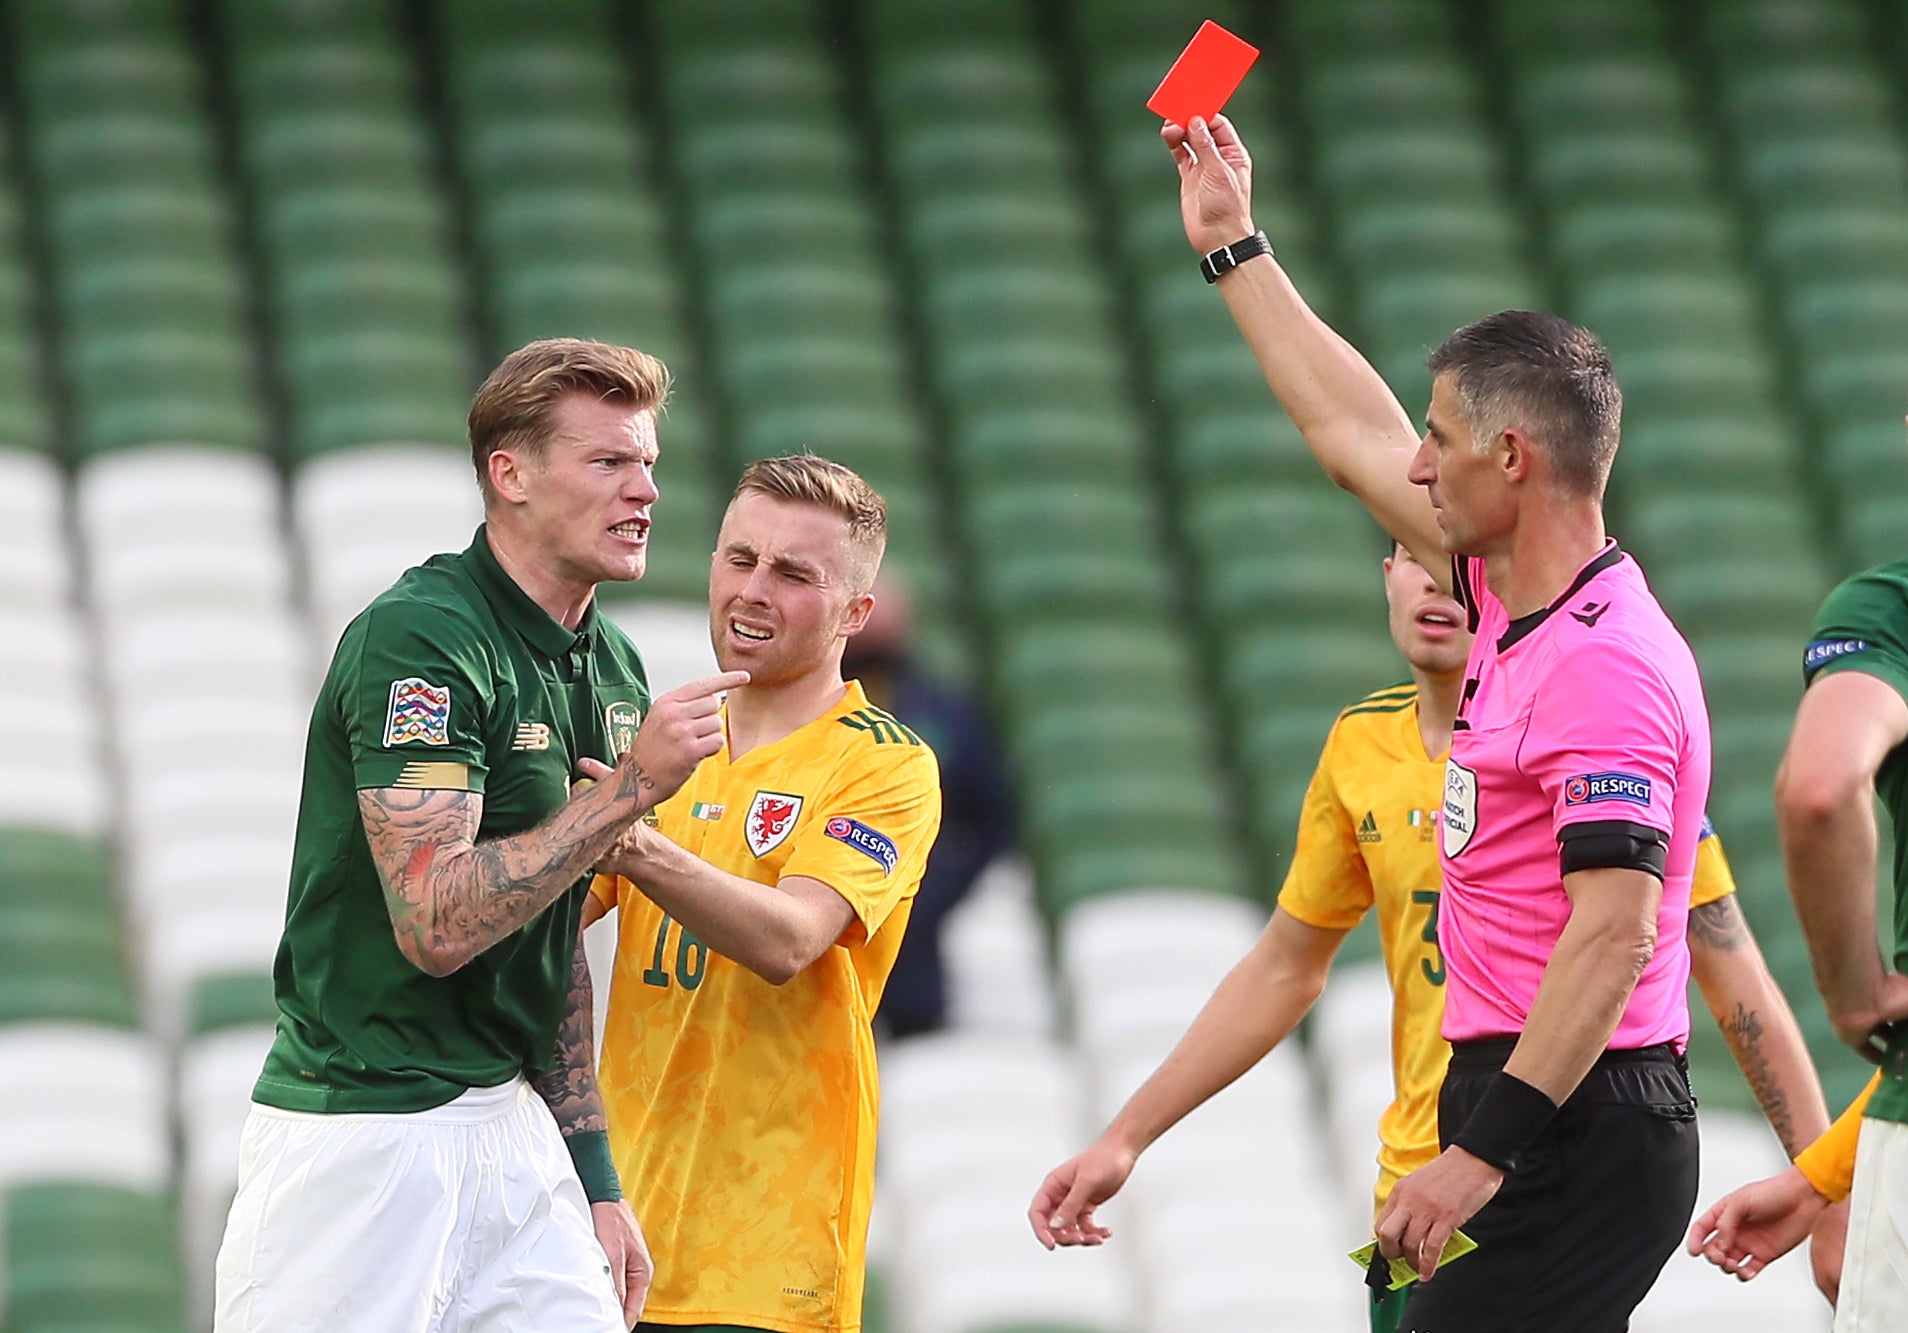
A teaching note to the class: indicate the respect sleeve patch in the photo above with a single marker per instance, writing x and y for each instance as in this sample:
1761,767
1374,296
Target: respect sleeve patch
1823,651
1590,788
419,711
876,846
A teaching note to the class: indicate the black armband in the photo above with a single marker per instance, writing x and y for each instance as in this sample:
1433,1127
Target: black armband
1506,1119
1612,844
590,1154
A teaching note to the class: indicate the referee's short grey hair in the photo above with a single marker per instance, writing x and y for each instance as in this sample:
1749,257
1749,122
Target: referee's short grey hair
1546,377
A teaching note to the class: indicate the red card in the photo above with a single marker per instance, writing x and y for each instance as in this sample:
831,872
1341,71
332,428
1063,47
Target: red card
1205,75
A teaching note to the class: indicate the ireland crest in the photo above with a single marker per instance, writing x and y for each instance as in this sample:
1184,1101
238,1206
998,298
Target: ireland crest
622,719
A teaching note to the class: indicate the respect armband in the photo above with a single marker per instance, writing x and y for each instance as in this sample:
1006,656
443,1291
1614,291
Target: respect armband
590,1153
1505,1121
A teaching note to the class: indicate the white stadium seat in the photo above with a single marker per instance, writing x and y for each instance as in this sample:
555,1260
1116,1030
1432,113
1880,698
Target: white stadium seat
188,943
151,495
82,1102
1197,936
994,951
216,1074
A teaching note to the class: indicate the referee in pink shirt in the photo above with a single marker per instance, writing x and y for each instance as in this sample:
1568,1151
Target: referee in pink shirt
1573,797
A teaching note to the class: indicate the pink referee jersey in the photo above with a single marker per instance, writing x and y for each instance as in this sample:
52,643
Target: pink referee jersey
1581,726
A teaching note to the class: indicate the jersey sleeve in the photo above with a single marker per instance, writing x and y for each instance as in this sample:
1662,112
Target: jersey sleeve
417,705
608,890
1329,885
1828,1164
1862,626
871,837
1605,753
1713,878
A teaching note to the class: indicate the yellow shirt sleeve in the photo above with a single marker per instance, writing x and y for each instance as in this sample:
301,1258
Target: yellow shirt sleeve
1329,885
870,842
608,890
1829,1163
1712,878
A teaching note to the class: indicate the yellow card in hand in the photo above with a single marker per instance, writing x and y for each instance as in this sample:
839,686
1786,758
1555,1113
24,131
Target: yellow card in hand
1403,1273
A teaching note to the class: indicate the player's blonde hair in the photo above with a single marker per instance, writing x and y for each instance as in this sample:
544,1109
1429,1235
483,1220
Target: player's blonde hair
813,480
512,409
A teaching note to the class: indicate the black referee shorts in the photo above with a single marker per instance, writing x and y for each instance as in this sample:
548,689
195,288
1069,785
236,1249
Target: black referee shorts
1574,1239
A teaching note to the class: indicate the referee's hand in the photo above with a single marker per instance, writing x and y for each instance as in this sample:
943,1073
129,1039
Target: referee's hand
1432,1202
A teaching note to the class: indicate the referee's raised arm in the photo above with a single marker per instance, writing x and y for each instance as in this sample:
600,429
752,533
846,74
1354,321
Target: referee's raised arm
1352,422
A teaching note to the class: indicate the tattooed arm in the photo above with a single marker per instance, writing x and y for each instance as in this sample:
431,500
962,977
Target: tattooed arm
452,897
570,1090
1756,1021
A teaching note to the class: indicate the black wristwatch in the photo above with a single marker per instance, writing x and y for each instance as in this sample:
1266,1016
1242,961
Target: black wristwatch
1228,257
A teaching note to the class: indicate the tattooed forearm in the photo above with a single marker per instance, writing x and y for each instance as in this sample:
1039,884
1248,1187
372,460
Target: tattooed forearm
1719,924
570,1085
1744,1031
451,897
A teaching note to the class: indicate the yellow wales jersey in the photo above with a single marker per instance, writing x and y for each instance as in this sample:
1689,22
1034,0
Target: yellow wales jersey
742,1114
1367,837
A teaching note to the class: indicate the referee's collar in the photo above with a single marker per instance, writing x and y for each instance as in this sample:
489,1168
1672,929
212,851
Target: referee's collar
521,610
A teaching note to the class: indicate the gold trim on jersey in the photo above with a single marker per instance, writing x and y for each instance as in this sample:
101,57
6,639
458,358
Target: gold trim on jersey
442,775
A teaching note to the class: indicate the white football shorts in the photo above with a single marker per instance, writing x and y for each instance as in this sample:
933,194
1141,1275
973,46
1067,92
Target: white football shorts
464,1219
1874,1294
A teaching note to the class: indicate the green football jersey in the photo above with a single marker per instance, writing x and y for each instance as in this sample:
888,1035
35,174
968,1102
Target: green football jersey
1863,626
454,678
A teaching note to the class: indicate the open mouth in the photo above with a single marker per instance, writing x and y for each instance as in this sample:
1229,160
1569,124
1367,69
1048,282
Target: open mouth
632,530
750,633
1437,620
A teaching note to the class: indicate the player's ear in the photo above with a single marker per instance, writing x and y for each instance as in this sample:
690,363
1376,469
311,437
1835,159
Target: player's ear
855,618
505,469
1515,455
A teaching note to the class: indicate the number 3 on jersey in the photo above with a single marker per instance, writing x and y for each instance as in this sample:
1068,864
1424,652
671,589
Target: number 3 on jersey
1433,972
692,955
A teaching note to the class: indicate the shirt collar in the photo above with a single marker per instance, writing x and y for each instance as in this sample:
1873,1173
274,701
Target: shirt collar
518,608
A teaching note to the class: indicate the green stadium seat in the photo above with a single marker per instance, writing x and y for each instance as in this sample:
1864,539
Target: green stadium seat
962,233
1379,93
298,77
1037,442
1058,520
1069,585
1596,166
231,1000
977,307
767,300
1874,525
636,307
808,226
1610,27
1448,235
47,25
811,371
108,296
755,83
1746,452
1807,243
84,152
1625,91
1691,382
1750,673
156,221
1857,387
690,25
1826,100
1043,663
1324,29
1719,526
1833,171
1376,168
1660,310
1216,452
125,77
251,28
1273,671
897,30
322,226
80,1254
866,438
549,80
1007,376
376,388
960,160
1744,32
527,227
320,300
1713,597
327,149
765,157
1851,316
1641,236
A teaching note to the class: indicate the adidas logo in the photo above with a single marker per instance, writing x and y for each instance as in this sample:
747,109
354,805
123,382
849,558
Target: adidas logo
1368,829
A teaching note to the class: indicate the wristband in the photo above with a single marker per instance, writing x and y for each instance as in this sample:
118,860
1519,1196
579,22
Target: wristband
1505,1120
590,1153
1222,261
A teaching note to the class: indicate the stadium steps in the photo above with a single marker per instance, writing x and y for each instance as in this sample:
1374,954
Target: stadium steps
804,331
1046,450
151,303
571,214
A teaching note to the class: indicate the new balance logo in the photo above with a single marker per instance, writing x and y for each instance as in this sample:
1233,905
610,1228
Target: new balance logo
532,736
1590,614
882,726
1368,829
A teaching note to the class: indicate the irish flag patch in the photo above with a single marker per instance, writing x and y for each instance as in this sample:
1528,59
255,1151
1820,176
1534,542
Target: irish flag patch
706,810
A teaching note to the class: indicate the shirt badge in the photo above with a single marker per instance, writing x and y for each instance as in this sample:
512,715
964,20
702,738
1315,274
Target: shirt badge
772,816
419,711
707,810
622,719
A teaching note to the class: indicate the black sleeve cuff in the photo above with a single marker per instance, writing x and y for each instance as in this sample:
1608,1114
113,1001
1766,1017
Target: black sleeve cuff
1612,844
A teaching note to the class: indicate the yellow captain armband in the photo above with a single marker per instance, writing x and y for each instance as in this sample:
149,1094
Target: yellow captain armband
1828,1164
